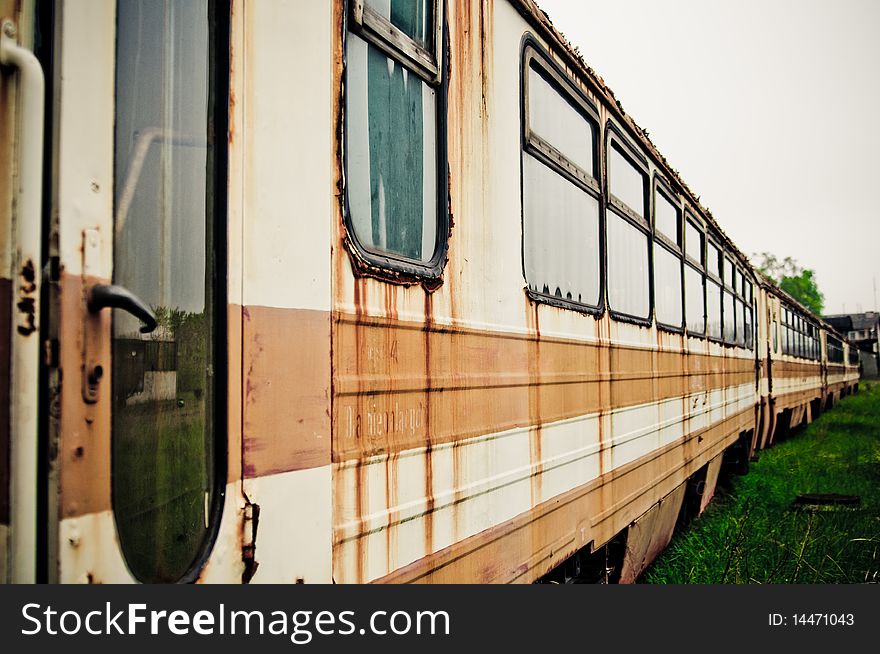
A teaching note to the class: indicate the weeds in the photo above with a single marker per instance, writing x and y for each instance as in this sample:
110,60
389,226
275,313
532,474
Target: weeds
753,533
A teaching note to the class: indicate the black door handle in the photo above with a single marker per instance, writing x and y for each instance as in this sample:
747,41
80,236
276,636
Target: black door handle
102,296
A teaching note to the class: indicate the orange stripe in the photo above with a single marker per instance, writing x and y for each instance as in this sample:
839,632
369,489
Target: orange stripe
286,401
399,386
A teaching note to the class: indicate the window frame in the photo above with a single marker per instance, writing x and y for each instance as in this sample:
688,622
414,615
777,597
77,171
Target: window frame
739,300
837,347
376,31
748,299
699,266
852,349
728,287
615,138
662,187
532,52
379,31
712,237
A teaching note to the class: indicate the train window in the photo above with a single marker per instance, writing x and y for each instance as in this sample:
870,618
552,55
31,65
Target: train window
560,189
802,344
748,326
395,168
713,260
414,19
729,327
553,119
694,301
168,441
694,281
668,273
693,243
714,293
667,217
729,319
627,235
853,355
713,308
627,183
667,286
560,234
628,278
740,309
835,349
806,351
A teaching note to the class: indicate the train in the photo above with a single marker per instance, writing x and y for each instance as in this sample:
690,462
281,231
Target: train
360,291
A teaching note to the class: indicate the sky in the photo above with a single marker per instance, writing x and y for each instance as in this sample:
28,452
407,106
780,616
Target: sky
769,110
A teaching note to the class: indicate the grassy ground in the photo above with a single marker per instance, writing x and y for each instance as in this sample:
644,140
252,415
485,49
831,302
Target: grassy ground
753,533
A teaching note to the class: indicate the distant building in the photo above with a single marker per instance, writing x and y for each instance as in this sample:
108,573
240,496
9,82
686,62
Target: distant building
863,329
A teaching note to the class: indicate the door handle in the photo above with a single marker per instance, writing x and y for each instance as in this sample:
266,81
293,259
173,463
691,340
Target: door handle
102,296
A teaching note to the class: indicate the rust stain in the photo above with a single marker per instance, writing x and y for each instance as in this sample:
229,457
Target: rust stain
230,135
83,429
362,501
27,303
479,558
429,458
392,500
536,415
487,41
248,539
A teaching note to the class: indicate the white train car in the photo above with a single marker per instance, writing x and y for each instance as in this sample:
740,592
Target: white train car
401,294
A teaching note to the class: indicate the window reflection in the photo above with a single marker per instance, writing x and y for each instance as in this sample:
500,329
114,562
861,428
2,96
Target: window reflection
163,386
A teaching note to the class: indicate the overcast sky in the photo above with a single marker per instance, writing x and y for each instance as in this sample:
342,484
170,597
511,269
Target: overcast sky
770,110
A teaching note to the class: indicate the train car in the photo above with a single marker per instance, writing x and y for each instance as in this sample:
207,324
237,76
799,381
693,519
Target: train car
364,291
808,367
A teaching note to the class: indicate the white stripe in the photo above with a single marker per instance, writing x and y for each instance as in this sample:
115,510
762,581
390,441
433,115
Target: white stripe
494,482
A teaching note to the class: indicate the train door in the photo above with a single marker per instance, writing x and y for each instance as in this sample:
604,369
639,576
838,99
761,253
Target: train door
136,437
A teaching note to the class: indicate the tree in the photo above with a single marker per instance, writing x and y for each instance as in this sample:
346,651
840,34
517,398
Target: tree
798,282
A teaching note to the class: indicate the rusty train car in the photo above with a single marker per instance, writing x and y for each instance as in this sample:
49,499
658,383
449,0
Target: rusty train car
362,291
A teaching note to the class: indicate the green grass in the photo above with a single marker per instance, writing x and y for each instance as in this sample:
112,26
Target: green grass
753,533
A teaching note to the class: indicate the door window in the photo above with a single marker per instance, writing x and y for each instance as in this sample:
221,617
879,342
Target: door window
164,383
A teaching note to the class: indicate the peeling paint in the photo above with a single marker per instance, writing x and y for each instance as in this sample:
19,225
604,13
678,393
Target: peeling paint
249,526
